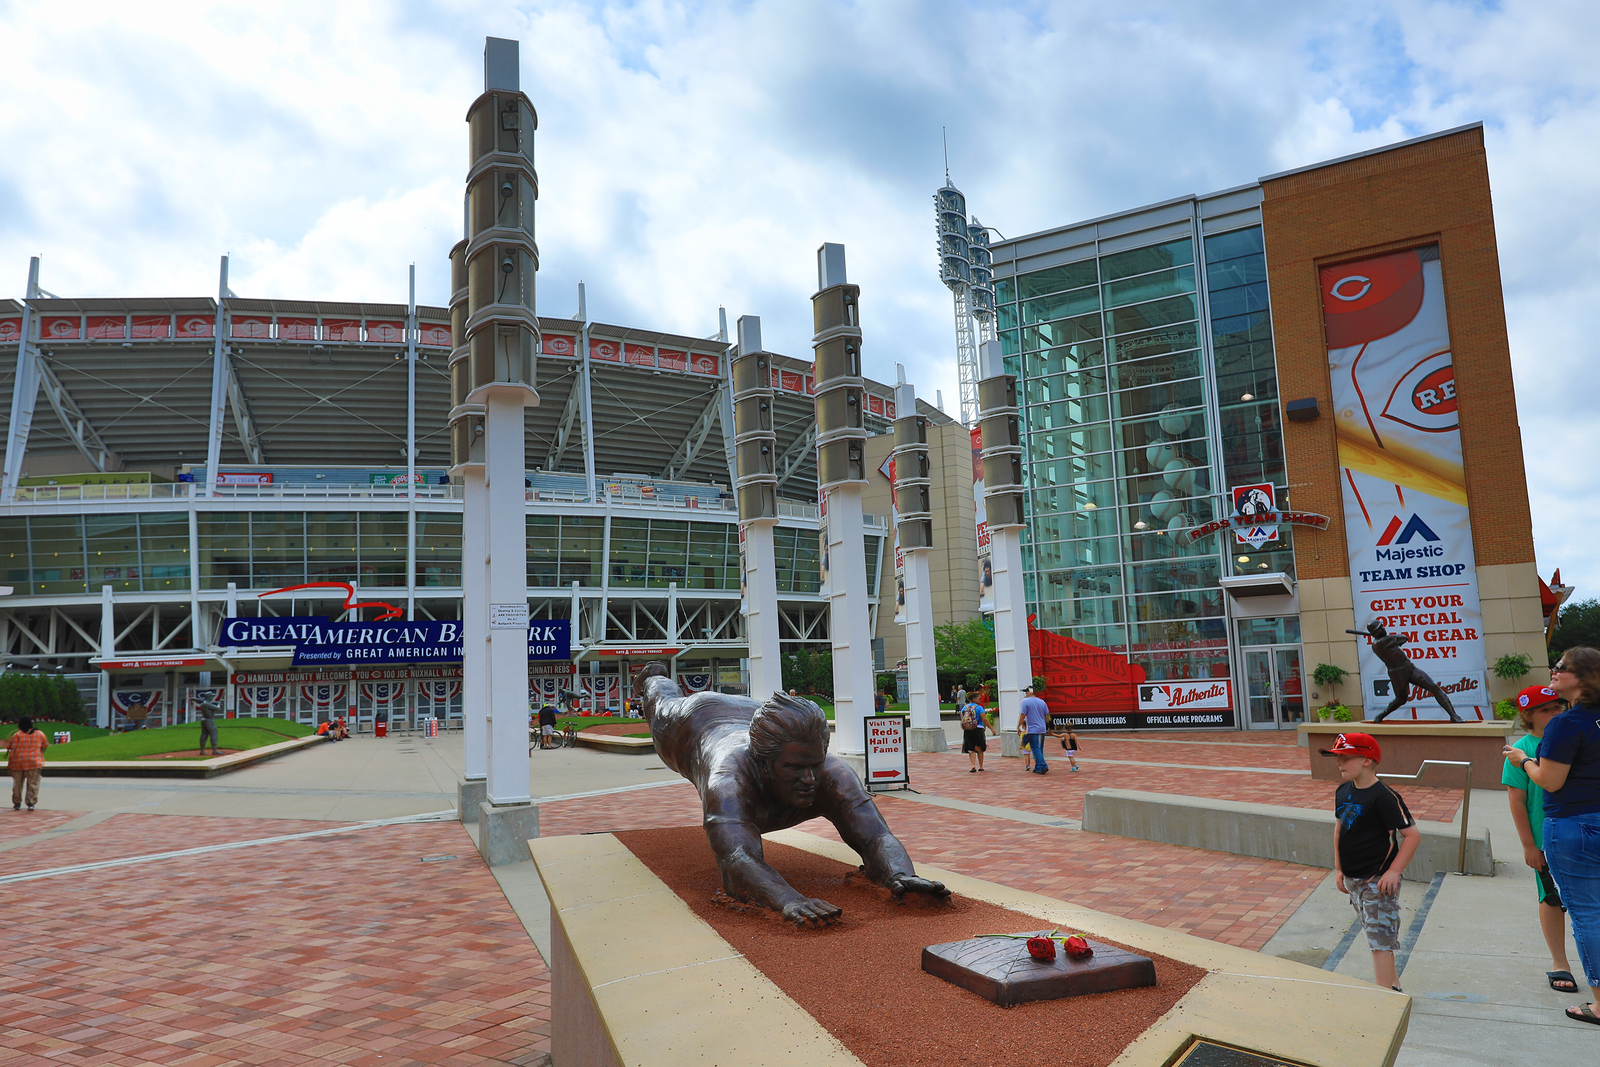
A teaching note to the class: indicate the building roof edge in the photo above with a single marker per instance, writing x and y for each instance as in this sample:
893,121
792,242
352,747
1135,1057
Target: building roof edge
1372,151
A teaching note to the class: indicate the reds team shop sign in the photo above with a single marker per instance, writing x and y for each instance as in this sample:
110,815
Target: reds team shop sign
1407,524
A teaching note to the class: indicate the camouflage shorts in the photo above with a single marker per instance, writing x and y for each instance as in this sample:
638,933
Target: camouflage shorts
1379,914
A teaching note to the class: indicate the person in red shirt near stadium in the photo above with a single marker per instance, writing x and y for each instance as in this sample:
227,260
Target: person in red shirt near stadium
25,761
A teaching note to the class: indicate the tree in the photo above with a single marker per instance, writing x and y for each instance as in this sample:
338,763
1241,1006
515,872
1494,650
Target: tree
1578,624
69,701
965,651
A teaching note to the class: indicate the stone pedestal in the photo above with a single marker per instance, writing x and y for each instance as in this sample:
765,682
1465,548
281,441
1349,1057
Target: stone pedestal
1010,743
927,739
504,831
470,792
1406,744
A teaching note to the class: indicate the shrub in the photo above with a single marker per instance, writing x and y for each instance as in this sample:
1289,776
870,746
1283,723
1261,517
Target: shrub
1505,709
1340,713
1512,665
1039,684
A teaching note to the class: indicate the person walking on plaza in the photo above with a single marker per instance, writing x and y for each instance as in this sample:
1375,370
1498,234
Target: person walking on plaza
547,725
208,726
1061,727
973,743
1374,837
1536,706
1567,768
25,761
1031,724
961,697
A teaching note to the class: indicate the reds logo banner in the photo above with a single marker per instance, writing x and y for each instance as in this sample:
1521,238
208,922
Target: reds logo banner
1251,501
1406,516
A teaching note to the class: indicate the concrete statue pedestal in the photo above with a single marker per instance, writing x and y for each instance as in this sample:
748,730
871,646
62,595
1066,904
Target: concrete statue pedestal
1010,743
470,793
927,739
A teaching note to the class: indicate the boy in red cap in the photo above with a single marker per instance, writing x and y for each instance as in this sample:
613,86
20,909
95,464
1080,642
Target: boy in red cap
1374,837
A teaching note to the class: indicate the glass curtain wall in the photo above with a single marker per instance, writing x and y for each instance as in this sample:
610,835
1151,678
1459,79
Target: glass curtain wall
1118,456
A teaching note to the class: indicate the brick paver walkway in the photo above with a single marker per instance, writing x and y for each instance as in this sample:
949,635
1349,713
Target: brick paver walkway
349,949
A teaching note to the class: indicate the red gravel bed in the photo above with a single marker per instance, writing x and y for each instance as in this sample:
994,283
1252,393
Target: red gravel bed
862,978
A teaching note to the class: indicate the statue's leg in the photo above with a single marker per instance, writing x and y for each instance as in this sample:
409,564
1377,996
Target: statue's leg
1423,681
1402,694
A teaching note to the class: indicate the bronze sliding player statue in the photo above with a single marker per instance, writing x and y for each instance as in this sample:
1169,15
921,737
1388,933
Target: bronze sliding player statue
1403,674
765,766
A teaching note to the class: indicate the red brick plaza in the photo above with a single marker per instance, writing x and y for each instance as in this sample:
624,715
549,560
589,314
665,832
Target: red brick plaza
394,946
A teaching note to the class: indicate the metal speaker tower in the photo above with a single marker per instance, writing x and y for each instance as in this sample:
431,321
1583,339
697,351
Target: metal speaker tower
966,266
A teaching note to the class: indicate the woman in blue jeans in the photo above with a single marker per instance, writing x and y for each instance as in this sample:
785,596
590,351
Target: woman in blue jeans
1568,769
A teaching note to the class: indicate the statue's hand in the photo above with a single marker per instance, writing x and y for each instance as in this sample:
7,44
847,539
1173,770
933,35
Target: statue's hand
901,884
810,911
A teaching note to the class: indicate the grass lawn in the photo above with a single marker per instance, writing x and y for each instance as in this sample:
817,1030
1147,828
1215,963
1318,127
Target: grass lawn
78,730
583,722
237,734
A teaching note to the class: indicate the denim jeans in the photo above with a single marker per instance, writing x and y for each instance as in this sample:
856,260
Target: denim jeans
1572,847
1035,742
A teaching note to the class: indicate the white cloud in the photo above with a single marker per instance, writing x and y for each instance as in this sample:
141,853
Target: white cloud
693,155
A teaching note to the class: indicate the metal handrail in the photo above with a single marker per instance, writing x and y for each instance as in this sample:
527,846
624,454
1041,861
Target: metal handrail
1466,800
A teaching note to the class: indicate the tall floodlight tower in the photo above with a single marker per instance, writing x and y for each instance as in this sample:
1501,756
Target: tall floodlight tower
966,266
913,489
492,379
842,475
755,443
1002,499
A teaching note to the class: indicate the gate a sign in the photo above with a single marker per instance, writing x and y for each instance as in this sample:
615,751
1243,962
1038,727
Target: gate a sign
1253,500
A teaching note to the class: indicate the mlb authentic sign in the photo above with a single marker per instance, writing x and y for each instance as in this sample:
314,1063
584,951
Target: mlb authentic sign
886,752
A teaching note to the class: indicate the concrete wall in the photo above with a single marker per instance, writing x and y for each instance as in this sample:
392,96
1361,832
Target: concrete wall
1294,835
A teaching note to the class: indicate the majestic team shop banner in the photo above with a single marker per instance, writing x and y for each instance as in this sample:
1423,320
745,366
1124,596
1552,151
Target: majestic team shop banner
317,641
1405,498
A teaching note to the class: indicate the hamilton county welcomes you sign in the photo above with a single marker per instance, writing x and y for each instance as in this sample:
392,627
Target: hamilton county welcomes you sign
318,641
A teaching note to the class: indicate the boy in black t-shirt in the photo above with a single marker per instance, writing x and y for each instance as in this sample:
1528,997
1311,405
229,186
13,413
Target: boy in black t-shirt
1374,837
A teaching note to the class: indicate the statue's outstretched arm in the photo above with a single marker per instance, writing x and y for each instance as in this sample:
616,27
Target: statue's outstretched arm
861,826
747,876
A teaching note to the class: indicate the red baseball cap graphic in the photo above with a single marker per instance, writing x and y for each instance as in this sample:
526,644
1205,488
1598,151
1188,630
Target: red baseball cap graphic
1535,695
1370,298
1355,745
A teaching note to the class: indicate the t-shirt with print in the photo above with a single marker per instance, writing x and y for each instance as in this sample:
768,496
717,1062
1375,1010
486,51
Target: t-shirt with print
1369,822
1573,738
1516,777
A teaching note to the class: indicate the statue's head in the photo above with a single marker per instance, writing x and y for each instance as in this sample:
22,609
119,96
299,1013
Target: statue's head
1375,628
789,742
654,669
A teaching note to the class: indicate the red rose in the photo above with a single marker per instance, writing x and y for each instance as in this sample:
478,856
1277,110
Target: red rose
1078,948
1042,948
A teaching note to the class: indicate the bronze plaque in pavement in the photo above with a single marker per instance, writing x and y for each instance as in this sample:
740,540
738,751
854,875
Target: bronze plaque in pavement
1000,969
1205,1053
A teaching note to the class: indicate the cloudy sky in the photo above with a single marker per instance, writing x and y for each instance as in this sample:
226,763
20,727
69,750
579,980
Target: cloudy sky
693,156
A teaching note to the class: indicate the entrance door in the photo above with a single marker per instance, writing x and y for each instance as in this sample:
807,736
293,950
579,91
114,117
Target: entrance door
1274,689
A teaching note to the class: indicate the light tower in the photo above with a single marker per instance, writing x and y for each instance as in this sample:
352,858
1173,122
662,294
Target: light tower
966,266
492,377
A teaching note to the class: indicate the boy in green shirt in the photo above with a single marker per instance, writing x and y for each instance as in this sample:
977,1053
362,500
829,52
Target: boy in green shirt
1536,706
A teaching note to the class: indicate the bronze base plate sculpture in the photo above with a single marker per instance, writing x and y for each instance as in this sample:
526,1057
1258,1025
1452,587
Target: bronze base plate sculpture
999,969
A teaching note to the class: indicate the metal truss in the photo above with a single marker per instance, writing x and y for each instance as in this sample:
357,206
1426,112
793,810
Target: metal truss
689,450
569,418
795,456
243,421
83,435
46,633
803,624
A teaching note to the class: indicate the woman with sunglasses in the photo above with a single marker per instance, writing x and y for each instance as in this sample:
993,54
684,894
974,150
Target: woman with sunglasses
1567,768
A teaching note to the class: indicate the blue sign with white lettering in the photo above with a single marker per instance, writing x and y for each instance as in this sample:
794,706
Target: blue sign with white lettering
319,642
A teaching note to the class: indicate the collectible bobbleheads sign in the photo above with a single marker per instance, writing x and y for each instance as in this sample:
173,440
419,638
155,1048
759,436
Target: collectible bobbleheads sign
1406,516
886,751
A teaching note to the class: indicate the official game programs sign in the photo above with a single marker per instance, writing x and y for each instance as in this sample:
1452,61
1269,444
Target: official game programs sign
1406,518
1204,703
886,751
317,641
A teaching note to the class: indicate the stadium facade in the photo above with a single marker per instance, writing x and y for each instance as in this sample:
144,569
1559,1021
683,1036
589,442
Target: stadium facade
1257,419
122,561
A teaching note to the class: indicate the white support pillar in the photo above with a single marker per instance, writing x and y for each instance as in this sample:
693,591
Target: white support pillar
588,401
108,646
851,634
219,384
1013,663
761,609
509,780
411,448
921,669
474,630
24,393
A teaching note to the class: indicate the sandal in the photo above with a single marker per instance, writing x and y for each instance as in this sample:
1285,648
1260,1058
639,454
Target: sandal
1562,976
1582,1014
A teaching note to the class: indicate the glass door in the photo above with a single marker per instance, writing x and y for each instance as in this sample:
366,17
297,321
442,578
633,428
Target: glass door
1274,690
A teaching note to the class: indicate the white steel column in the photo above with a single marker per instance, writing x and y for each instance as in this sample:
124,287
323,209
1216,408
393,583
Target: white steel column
761,609
922,676
848,624
24,392
411,448
108,644
588,401
1013,663
219,384
507,574
474,626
